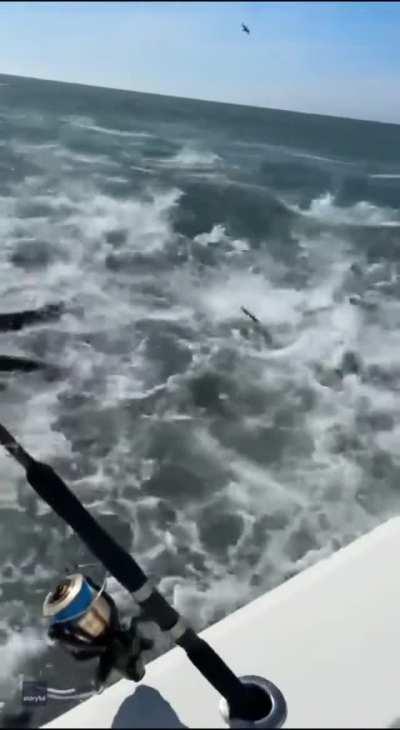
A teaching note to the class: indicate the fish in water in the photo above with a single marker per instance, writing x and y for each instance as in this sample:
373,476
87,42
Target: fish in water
357,301
259,327
14,321
10,363
350,364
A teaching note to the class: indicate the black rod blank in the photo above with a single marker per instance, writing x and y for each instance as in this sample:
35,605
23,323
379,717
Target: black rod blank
52,489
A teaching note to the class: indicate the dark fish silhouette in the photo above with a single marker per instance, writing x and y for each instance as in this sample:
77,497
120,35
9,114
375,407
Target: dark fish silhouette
14,321
249,314
245,29
17,320
10,363
259,327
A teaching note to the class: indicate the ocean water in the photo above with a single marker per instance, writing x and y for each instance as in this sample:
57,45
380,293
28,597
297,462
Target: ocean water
225,461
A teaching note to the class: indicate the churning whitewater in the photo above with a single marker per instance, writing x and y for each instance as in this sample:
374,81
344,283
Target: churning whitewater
226,457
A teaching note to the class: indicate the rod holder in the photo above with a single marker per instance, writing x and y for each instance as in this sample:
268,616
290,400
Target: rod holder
267,703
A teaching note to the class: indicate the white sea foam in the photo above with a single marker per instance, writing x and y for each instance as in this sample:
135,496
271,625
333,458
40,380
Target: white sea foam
290,441
19,647
88,125
191,158
113,132
386,175
363,213
188,157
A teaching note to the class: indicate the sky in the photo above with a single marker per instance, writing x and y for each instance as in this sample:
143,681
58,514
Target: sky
338,58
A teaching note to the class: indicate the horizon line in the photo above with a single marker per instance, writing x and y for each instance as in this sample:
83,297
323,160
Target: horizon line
206,101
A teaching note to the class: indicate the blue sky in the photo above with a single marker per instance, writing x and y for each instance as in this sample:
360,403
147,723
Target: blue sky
328,57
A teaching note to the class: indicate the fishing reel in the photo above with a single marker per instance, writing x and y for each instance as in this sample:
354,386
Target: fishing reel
84,621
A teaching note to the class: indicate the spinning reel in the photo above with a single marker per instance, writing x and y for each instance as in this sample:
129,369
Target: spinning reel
84,621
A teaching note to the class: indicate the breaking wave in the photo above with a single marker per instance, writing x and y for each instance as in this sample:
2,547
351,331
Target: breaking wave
362,213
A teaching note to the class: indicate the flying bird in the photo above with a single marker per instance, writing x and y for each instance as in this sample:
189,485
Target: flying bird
245,29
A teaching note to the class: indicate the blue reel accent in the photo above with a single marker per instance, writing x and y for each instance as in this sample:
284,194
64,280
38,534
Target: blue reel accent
78,606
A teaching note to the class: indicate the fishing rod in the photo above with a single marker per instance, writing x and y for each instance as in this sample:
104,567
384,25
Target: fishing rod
84,618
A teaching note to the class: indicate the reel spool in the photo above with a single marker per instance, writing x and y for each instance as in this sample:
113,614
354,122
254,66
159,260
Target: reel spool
82,616
84,621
